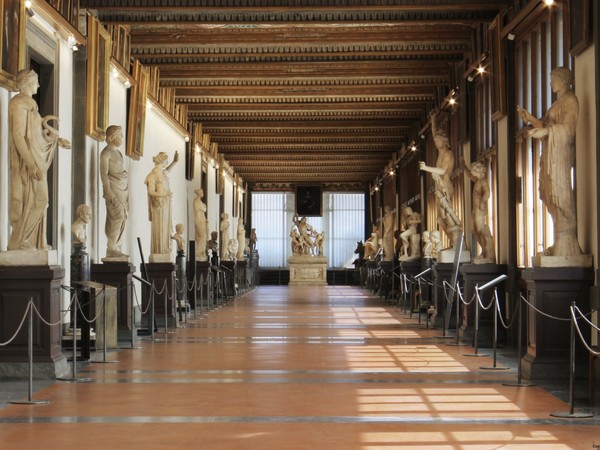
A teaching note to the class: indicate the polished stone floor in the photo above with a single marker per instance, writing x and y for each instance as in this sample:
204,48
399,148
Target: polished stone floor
294,368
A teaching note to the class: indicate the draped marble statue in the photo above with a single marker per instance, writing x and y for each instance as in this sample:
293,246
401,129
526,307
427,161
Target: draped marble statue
115,191
200,225
225,237
159,204
32,142
556,130
241,239
388,233
411,248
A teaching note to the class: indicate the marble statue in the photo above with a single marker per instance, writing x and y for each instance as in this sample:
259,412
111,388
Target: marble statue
225,237
200,225
371,246
178,238
441,173
319,240
556,130
32,143
241,239
388,233
427,246
306,232
232,249
115,191
78,228
410,238
213,243
436,243
481,194
297,242
159,203
253,239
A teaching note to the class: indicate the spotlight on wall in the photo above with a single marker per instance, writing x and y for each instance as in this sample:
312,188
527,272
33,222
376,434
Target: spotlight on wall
28,5
510,37
187,138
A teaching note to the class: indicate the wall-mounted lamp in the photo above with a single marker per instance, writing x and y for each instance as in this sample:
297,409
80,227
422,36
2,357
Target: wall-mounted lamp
413,146
187,139
510,36
28,5
549,2
198,150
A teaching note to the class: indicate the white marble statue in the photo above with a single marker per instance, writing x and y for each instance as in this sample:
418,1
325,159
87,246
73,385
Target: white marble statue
388,233
371,246
179,238
159,205
306,233
319,241
427,246
212,245
481,194
225,237
115,191
410,238
232,249
78,228
200,225
441,175
253,239
436,243
241,239
32,142
556,130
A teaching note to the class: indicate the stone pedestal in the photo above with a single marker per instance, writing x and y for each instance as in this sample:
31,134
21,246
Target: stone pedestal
552,290
94,297
443,272
199,271
241,275
162,275
307,270
118,274
17,285
385,278
181,285
80,264
410,269
477,275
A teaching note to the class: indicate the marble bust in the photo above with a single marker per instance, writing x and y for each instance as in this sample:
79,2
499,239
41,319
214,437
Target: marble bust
78,228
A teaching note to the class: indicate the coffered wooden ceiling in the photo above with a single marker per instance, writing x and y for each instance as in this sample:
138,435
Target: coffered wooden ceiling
304,91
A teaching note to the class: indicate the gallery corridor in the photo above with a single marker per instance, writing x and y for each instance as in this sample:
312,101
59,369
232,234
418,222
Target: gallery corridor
296,368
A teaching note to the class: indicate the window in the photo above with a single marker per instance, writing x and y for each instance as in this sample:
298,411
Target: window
343,222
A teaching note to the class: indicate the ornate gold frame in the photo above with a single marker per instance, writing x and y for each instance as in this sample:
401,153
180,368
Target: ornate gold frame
98,70
136,119
12,55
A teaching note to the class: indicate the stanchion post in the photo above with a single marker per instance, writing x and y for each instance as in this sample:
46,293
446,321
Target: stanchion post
495,337
30,400
476,330
152,318
74,377
572,414
519,382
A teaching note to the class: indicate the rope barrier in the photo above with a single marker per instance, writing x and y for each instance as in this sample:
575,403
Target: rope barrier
13,337
563,319
574,311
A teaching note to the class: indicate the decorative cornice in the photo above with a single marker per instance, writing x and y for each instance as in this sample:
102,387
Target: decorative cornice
302,99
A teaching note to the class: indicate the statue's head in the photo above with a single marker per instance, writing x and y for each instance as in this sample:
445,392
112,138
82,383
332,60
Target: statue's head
214,235
113,132
26,77
563,74
160,158
84,212
199,192
179,228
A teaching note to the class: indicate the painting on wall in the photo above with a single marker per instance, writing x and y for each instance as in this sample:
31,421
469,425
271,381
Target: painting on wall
309,201
12,53
136,116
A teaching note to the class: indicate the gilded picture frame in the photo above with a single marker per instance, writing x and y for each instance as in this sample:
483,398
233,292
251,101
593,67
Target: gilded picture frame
136,116
496,45
98,67
12,51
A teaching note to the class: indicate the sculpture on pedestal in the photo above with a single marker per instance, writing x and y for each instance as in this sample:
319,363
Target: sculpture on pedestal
388,233
371,246
159,205
427,246
78,228
225,237
200,225
410,238
115,191
253,239
178,238
556,130
308,265
481,194
305,230
32,142
441,173
212,246
241,239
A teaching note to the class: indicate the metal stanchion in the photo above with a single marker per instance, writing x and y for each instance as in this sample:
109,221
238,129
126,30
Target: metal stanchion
476,331
30,400
519,382
456,343
572,414
495,337
74,378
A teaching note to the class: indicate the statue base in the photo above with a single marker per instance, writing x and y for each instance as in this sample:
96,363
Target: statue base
29,258
552,290
112,259
118,274
162,275
447,256
542,260
17,286
307,270
160,258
